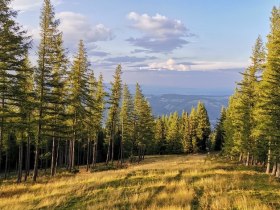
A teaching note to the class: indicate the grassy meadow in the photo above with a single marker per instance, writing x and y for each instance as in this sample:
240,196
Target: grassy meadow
159,182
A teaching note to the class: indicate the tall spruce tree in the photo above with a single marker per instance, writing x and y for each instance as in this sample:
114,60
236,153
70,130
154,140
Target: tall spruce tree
267,112
126,118
113,113
203,129
44,75
78,94
14,45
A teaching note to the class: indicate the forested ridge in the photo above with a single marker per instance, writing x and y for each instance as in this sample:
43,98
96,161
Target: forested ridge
52,113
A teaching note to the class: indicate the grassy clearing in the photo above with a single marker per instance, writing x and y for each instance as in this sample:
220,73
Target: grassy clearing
160,182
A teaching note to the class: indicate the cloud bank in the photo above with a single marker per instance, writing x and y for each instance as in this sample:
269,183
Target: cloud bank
160,34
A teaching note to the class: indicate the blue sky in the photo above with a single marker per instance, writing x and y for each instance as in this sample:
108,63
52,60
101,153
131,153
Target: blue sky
176,46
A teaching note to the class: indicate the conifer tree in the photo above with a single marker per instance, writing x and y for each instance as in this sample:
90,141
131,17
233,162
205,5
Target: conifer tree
56,125
99,109
219,133
126,118
192,130
13,44
267,112
160,135
25,106
113,114
173,135
186,135
203,129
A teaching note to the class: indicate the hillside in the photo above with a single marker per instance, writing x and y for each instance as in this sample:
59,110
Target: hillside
167,103
189,182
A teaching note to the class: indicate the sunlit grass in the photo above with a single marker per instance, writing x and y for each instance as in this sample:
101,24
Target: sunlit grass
160,182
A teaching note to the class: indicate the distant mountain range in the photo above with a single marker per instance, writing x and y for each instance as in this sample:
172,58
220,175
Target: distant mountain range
168,103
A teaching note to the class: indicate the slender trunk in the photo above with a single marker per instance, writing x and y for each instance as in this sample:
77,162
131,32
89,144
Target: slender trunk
27,159
122,153
1,130
108,151
70,155
274,168
252,160
113,142
268,160
66,154
46,159
247,159
88,149
278,170
139,152
56,158
73,154
6,163
20,148
94,153
53,155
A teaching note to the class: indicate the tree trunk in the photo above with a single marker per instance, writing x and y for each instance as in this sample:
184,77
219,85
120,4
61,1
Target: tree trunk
36,159
27,159
278,170
1,130
73,153
274,168
113,143
240,157
56,158
122,153
53,155
252,160
108,151
88,149
268,160
70,155
94,153
20,160
247,159
6,164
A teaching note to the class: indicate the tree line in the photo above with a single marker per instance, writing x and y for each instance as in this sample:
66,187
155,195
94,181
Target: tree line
249,129
52,114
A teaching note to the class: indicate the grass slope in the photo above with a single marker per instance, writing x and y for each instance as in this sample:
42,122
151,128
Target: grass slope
160,182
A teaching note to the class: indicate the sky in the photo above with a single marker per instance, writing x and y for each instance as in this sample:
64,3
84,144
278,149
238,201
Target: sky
172,46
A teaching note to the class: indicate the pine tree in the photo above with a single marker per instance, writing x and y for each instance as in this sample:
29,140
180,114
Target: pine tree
160,135
24,123
78,91
173,135
219,133
13,44
203,129
114,109
43,74
99,110
143,124
126,118
56,125
267,112
186,135
192,130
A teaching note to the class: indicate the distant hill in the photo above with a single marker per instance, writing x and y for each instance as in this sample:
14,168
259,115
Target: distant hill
167,103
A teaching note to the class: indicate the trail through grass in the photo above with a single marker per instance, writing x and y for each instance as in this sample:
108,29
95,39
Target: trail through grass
160,182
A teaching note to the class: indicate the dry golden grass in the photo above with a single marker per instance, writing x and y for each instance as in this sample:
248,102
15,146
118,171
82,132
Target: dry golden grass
160,182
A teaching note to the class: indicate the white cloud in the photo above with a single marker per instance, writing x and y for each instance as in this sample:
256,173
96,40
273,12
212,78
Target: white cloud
172,65
160,33
76,26
158,25
26,5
